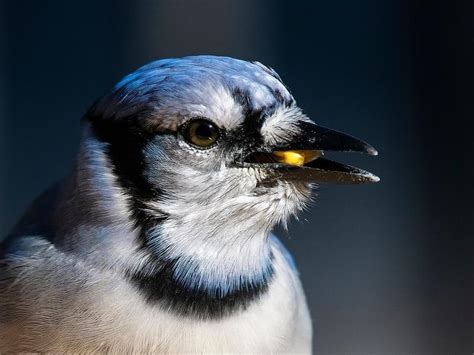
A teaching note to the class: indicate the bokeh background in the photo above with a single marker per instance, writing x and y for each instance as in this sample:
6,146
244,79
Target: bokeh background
388,268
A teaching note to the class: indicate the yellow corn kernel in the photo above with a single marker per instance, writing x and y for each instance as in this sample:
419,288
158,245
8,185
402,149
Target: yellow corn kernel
296,157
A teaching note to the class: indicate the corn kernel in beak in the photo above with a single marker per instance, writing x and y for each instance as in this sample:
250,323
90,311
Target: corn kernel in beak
296,157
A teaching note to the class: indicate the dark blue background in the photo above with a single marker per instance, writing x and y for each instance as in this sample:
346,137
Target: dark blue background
388,268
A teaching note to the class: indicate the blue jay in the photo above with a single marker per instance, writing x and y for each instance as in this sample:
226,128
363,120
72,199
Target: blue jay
160,238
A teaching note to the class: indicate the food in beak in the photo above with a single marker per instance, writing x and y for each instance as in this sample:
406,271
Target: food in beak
300,159
296,157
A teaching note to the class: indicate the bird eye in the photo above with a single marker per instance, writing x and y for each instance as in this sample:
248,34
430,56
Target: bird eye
201,133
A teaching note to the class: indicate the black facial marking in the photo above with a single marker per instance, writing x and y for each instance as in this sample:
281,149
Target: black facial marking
242,97
126,141
253,118
163,289
248,135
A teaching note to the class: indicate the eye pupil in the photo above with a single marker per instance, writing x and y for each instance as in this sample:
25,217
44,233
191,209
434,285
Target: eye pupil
205,130
201,133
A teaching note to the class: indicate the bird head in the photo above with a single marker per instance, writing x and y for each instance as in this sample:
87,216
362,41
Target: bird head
212,152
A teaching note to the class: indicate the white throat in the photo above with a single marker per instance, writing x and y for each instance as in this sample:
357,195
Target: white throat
219,235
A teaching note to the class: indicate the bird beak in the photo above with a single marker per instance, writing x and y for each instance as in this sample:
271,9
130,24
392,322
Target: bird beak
301,158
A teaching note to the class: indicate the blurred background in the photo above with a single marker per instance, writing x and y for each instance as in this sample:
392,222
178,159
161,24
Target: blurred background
388,268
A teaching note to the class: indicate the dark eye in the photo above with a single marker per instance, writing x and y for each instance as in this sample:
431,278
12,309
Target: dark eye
201,133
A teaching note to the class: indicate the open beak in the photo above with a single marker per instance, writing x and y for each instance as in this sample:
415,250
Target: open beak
301,158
